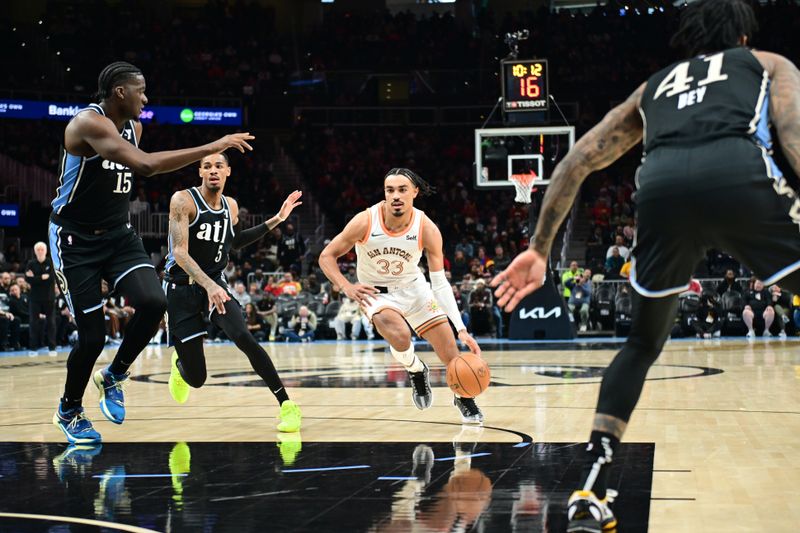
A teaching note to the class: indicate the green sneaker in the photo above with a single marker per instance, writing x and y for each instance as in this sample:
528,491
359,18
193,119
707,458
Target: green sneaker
178,388
289,446
180,464
290,417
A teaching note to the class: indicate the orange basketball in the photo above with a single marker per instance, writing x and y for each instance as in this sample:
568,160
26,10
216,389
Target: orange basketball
468,375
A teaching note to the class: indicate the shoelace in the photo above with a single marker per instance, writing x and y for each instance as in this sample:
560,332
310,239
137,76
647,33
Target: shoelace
73,424
418,381
470,406
119,385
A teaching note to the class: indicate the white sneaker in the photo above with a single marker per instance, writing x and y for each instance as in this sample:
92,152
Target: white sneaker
751,334
587,513
782,335
583,328
767,334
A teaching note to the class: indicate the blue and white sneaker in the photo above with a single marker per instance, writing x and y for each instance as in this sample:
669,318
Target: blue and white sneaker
75,426
112,396
75,460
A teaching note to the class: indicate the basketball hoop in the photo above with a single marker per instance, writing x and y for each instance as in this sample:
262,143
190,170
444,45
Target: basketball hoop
523,183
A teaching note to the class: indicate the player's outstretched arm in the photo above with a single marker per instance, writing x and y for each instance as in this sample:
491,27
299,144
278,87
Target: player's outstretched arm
784,104
618,132
99,133
433,245
355,231
181,210
246,237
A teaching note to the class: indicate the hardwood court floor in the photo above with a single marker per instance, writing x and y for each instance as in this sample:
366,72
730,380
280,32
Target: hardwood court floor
724,418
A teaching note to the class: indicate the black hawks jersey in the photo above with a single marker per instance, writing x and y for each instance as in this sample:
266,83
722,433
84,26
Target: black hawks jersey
706,98
210,236
94,192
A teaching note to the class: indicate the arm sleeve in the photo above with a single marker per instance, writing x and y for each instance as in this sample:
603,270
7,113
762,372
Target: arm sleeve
248,236
444,295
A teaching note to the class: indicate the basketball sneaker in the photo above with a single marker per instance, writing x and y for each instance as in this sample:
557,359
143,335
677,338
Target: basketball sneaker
112,395
76,426
180,464
291,417
470,412
421,392
289,445
178,388
588,514
75,460
422,463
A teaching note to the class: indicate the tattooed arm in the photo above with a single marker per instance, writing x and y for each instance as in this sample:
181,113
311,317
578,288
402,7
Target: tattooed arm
618,132
784,103
181,211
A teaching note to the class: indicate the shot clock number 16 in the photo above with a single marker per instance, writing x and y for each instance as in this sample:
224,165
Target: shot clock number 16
525,85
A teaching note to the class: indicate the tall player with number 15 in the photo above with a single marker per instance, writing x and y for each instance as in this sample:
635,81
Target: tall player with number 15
389,238
707,180
91,239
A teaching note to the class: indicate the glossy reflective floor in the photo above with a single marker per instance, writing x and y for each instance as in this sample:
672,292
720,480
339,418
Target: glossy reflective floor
712,447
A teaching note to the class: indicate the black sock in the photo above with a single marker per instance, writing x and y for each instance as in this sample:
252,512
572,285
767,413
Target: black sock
281,395
67,404
599,453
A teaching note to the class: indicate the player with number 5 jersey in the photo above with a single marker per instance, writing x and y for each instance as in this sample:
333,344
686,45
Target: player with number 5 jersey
707,180
91,239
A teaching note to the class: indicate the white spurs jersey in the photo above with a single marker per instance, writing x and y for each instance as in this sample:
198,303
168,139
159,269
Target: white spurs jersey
389,259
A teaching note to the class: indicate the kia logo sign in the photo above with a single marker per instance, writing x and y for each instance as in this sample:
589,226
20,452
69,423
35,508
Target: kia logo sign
539,312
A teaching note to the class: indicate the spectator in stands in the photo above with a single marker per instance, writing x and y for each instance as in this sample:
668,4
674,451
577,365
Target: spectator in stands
625,271
706,323
729,283
311,285
140,205
301,326
230,271
573,272
5,282
9,327
614,264
259,278
480,309
41,277
288,286
782,304
291,249
501,260
268,312
459,266
19,306
254,291
240,294
619,244
580,296
466,248
758,308
462,305
255,324
350,313
122,312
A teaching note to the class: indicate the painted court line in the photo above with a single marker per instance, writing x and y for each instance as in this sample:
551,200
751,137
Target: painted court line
109,476
462,456
73,520
326,469
396,478
522,444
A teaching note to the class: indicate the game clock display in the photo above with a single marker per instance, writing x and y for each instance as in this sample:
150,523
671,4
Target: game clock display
525,85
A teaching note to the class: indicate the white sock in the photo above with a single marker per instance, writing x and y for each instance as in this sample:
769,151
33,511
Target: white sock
408,359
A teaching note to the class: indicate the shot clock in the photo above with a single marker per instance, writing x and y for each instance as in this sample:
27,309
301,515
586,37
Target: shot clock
525,85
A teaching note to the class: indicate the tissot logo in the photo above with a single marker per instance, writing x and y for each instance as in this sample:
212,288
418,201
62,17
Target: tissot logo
539,312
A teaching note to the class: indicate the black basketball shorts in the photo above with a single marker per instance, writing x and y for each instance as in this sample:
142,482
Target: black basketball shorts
726,195
187,310
82,259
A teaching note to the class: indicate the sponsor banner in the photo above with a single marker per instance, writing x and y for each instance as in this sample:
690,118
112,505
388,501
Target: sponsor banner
542,315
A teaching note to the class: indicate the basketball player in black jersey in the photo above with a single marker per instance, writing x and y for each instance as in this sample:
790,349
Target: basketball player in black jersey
707,179
203,226
91,239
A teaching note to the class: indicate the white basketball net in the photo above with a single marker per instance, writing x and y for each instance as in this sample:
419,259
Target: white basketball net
523,183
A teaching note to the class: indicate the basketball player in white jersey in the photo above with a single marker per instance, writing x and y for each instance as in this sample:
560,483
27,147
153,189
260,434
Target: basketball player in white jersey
389,238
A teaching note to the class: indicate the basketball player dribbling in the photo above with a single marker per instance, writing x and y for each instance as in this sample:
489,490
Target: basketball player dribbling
707,180
91,239
389,238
